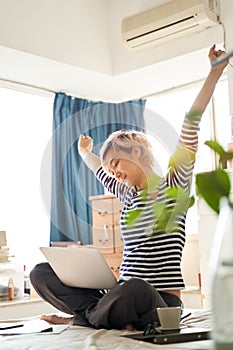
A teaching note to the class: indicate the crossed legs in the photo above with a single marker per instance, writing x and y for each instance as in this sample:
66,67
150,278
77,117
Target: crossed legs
130,305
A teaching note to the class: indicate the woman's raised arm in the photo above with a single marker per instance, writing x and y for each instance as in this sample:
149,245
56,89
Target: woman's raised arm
85,146
204,96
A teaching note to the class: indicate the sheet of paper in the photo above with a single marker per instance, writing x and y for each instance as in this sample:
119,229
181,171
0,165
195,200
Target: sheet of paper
32,326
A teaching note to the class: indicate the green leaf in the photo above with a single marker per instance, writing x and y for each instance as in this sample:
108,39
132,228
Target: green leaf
191,202
216,147
223,155
212,186
181,155
132,216
227,156
167,217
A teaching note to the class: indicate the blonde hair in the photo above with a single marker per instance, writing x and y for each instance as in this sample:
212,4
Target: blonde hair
124,141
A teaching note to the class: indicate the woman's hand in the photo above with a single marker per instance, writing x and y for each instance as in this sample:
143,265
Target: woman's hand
213,55
85,144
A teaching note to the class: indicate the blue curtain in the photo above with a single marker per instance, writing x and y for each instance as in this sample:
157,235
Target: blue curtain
72,182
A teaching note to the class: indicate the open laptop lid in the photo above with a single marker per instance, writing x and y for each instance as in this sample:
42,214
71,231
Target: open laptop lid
80,266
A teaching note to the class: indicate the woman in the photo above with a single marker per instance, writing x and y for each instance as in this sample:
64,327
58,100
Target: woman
150,274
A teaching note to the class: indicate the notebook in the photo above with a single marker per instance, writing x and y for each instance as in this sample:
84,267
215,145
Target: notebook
80,266
170,337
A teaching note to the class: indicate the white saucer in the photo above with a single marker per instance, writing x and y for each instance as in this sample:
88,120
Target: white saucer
170,329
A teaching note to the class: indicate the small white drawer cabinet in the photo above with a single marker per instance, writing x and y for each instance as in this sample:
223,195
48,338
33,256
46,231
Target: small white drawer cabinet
106,234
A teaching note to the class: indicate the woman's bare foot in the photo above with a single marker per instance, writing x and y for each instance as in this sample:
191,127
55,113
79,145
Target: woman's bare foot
57,319
130,327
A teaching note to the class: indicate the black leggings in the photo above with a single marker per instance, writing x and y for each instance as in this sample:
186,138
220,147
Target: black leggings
131,302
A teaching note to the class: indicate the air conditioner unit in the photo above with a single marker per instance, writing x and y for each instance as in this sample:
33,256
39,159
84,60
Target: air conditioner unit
172,20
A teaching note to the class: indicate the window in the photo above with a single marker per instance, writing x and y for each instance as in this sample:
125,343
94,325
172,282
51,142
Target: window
222,118
26,128
171,106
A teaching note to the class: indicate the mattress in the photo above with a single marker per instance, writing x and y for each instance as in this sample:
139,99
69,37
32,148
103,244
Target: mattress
83,338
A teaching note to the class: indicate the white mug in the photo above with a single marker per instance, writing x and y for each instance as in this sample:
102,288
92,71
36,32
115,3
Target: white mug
169,317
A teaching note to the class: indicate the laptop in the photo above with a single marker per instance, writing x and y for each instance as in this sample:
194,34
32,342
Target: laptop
80,266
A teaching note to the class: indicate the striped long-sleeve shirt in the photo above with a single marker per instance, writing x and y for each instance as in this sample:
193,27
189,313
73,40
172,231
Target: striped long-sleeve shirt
150,254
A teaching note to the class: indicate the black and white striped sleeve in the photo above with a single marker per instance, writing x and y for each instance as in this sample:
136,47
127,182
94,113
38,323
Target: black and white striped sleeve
118,189
181,163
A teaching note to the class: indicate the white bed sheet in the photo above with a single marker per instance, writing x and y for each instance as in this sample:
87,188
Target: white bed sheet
83,338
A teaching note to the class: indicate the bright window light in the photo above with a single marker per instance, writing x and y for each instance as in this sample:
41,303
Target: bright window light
172,106
26,128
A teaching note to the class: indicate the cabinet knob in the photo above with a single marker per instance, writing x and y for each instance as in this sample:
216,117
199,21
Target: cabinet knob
115,269
102,213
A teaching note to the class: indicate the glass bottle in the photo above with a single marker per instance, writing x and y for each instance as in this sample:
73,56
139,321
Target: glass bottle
11,293
26,282
11,270
222,279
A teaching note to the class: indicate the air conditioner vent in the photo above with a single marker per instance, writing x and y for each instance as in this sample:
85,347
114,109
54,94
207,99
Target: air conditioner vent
164,27
169,21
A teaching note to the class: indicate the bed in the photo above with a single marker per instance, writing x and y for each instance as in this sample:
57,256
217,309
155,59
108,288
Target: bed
83,338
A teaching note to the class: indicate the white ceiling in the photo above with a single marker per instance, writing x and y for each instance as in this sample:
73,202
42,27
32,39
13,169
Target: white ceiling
75,46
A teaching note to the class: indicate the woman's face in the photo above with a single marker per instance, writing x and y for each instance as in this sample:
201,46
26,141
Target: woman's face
125,167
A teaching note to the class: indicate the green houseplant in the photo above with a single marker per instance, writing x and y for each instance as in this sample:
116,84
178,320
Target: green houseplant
214,185
215,188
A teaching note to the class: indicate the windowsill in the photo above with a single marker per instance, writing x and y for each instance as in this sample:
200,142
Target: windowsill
28,306
20,301
191,289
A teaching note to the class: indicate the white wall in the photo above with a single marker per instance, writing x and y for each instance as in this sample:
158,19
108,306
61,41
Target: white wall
70,32
191,261
227,14
75,46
